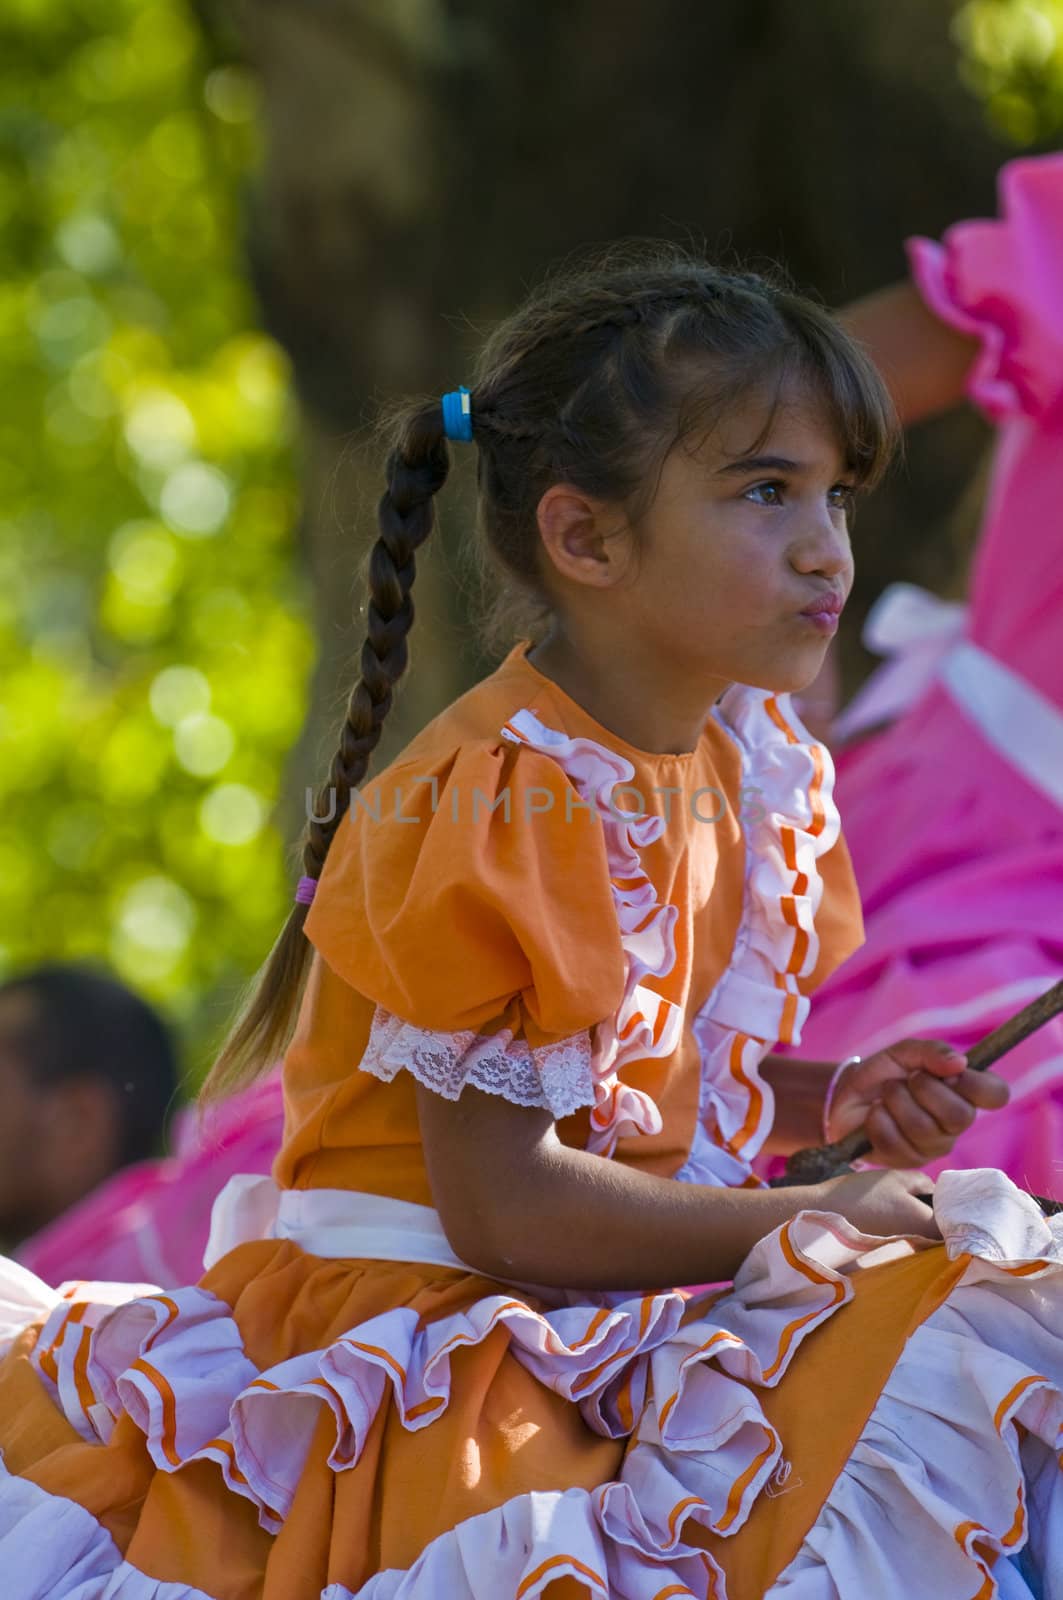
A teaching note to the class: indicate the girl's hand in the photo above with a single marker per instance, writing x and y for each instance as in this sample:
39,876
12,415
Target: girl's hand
914,1099
881,1203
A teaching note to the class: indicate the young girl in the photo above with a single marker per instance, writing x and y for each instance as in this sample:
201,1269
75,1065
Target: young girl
550,949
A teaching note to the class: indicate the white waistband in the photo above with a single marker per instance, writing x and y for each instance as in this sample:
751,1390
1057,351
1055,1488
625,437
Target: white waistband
332,1223
922,637
1021,723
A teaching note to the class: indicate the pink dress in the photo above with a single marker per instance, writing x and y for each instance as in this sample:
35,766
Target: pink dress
150,1222
954,814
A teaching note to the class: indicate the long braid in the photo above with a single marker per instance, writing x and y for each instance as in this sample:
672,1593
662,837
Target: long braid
405,515
417,469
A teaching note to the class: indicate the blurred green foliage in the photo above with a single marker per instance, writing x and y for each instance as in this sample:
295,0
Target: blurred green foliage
154,649
1011,56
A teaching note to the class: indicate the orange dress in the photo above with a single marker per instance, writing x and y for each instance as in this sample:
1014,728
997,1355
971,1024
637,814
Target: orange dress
341,1408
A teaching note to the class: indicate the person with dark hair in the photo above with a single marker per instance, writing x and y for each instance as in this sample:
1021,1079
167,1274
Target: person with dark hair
87,1076
528,998
150,1222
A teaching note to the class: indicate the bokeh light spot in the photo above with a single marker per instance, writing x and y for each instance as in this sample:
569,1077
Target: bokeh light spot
232,814
145,559
196,499
87,243
178,692
159,428
203,743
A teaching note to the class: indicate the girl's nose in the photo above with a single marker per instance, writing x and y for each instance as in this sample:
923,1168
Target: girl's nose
824,547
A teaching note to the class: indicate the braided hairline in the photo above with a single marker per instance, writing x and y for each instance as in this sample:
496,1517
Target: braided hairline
621,317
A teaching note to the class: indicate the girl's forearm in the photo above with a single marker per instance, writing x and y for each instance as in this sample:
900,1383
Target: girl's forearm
567,1217
800,1088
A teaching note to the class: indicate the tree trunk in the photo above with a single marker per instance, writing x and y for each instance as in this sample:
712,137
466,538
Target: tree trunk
426,161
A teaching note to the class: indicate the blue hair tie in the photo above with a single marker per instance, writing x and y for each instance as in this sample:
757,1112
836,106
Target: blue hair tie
457,415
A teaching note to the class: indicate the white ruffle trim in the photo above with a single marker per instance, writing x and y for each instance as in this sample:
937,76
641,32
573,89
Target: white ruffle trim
174,1362
555,1077
790,821
645,1024
958,1459
958,1462
53,1549
24,1298
530,1542
60,1356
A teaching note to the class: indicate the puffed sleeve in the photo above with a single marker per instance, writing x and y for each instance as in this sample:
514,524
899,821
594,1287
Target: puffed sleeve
470,900
1001,280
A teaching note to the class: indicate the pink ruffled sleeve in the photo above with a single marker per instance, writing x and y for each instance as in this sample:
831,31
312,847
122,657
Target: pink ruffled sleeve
1002,282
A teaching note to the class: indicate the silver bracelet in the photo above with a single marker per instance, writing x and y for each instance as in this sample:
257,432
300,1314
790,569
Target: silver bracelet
828,1098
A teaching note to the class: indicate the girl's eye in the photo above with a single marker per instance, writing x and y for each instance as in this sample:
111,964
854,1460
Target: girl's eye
846,493
766,488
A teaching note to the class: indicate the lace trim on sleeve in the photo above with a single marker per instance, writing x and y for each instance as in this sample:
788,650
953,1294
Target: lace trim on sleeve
555,1078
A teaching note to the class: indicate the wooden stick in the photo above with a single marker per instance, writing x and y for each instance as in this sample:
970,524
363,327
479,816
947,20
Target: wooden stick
821,1162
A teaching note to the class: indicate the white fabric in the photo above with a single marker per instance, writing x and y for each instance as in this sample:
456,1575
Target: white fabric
531,1541
556,1077
980,1212
337,1224
53,1549
171,1362
961,1451
63,1345
791,777
961,1434
914,629
24,1298
1019,721
922,636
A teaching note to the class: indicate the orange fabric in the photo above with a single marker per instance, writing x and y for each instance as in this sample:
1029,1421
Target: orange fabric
325,1299
821,1408
435,907
445,916
503,1434
475,924
32,1426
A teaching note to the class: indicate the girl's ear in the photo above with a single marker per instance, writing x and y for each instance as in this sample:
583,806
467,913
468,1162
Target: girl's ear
580,536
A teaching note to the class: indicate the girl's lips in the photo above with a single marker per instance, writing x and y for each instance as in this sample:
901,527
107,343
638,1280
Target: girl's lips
826,621
830,602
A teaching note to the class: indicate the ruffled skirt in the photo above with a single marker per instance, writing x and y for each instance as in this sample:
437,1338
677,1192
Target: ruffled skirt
855,1418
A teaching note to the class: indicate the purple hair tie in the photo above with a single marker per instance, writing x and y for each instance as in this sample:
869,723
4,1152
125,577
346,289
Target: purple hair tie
304,891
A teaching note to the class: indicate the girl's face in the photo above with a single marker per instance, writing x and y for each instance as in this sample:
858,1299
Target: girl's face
735,549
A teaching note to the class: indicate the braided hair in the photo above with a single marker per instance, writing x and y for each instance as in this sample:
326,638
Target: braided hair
609,365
